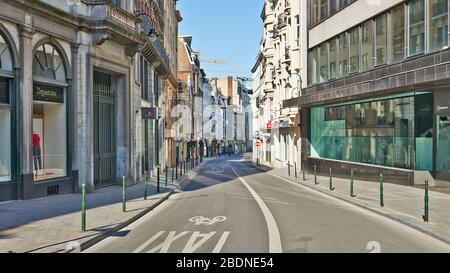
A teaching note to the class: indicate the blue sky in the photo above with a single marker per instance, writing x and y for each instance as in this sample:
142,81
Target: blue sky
228,30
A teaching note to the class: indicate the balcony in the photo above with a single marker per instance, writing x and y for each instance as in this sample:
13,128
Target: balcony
275,31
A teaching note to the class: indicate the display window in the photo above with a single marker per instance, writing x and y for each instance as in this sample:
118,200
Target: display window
49,139
5,110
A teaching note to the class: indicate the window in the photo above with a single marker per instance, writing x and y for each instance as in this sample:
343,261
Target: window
333,6
354,50
381,39
342,3
333,59
416,27
49,114
367,46
398,34
323,9
315,65
297,20
438,23
343,55
314,12
323,62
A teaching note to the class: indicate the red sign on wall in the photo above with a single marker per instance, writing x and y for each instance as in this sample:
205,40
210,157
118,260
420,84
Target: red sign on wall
269,125
258,144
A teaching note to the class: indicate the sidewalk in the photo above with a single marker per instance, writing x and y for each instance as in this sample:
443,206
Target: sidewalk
49,224
404,204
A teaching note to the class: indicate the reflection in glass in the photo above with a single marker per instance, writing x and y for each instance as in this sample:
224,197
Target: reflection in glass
438,24
416,27
343,55
381,39
354,50
443,144
367,46
398,35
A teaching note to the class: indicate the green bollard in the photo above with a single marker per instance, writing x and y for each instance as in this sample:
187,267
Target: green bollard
145,186
295,170
331,181
315,175
124,198
172,175
158,171
304,172
83,207
167,173
351,184
426,202
381,191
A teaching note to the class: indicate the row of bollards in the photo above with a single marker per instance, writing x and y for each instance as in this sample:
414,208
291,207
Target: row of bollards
352,192
183,168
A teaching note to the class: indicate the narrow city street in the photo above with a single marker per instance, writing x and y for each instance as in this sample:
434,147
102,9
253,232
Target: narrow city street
230,206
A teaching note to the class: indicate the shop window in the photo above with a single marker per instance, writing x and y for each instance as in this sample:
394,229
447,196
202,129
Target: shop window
5,111
443,144
416,27
379,132
438,24
49,114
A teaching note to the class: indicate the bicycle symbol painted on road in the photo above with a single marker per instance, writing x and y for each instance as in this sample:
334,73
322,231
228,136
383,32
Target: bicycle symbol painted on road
200,220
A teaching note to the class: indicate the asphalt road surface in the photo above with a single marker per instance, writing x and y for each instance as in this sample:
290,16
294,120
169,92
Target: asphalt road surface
229,206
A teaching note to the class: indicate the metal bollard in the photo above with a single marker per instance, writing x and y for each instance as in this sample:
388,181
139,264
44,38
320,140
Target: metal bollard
172,174
315,175
381,191
124,198
145,186
295,170
83,207
351,184
158,177
426,202
304,172
176,171
289,168
167,173
331,181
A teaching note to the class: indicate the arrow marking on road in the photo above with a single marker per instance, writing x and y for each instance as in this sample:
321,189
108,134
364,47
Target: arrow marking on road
221,242
274,234
191,246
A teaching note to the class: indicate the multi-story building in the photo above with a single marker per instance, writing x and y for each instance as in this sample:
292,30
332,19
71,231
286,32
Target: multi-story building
71,82
377,99
283,49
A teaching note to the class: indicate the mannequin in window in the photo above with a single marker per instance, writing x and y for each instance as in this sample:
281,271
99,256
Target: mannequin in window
37,152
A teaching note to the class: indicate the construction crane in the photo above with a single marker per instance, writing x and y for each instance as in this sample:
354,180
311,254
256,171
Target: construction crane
213,61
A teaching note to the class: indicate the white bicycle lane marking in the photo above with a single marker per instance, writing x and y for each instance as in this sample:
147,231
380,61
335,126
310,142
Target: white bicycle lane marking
274,233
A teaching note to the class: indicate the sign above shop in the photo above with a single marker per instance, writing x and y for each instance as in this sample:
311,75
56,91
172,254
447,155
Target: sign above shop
48,93
149,113
4,91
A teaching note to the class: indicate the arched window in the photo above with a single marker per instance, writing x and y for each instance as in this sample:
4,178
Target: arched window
6,67
48,63
49,113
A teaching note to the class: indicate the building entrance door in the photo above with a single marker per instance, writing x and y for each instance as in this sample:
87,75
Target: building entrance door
104,131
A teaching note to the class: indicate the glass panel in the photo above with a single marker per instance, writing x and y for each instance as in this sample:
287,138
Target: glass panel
5,55
376,132
49,140
334,6
5,148
323,9
333,59
416,27
367,46
381,39
323,62
48,64
354,50
315,66
438,24
398,34
443,144
343,55
314,12
424,131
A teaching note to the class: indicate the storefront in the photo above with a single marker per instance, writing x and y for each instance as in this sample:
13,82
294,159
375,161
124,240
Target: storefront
400,131
50,116
6,110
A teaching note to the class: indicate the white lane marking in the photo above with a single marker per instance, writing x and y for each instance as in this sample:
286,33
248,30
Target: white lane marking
192,246
200,220
164,247
221,242
274,234
148,242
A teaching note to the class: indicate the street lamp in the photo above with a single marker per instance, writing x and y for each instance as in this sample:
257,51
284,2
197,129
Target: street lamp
298,87
152,34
